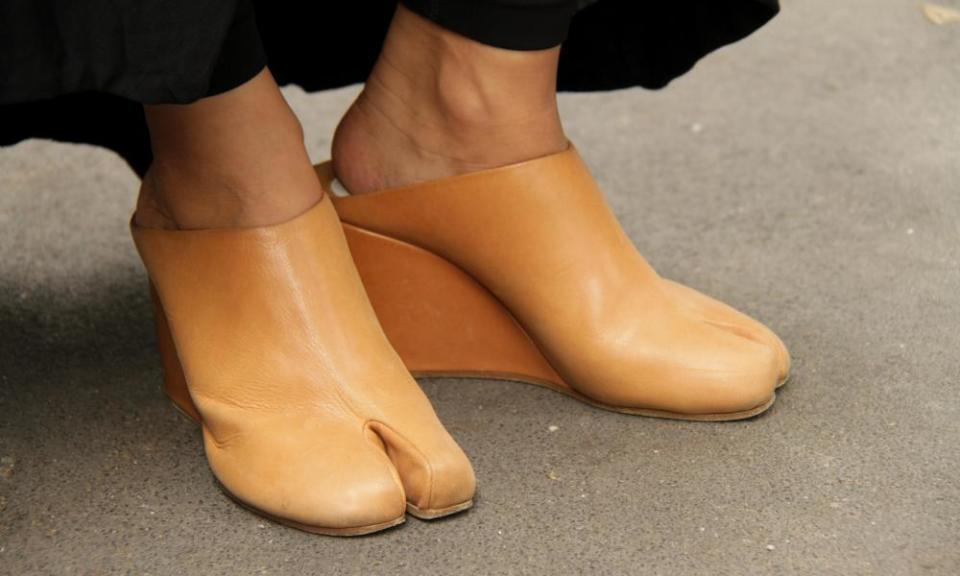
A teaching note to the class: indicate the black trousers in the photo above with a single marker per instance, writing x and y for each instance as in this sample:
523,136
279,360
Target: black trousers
79,71
509,24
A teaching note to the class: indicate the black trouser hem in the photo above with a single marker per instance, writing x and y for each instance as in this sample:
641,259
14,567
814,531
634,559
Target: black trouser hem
501,23
241,56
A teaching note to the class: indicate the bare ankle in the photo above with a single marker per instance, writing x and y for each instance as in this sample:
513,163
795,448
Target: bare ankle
172,198
438,104
152,211
236,159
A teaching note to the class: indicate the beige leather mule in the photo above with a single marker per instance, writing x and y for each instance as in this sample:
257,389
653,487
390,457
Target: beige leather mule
523,273
309,417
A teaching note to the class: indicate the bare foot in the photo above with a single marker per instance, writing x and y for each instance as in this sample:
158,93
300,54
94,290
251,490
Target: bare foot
232,160
438,104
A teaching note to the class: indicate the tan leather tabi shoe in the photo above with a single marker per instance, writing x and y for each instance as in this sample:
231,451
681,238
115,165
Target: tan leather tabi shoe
523,273
309,417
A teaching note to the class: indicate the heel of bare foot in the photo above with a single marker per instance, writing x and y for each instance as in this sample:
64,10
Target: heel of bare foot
191,199
233,160
151,211
438,104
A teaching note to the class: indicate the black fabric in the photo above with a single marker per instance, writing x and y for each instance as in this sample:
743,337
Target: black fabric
510,24
150,51
620,43
77,71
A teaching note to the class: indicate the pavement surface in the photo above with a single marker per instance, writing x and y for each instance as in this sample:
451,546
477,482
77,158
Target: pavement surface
809,175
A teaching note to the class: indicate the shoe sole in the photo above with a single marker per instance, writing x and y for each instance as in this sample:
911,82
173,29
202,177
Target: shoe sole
436,513
646,412
322,530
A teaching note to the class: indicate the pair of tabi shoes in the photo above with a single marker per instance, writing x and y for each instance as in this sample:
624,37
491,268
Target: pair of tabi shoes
293,345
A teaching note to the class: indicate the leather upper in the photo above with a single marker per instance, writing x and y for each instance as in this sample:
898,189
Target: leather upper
308,414
540,236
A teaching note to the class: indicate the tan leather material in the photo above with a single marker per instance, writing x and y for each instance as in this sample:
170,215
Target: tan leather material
308,414
541,239
443,323
439,319
174,382
729,318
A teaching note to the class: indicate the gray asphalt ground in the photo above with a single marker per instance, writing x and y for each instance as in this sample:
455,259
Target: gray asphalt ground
809,175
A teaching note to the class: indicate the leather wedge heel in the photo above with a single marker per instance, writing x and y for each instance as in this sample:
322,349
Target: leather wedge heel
308,415
174,382
439,319
523,273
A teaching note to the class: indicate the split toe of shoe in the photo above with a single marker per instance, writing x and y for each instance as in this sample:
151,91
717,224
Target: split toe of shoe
340,482
724,316
354,478
436,475
739,377
693,368
309,416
